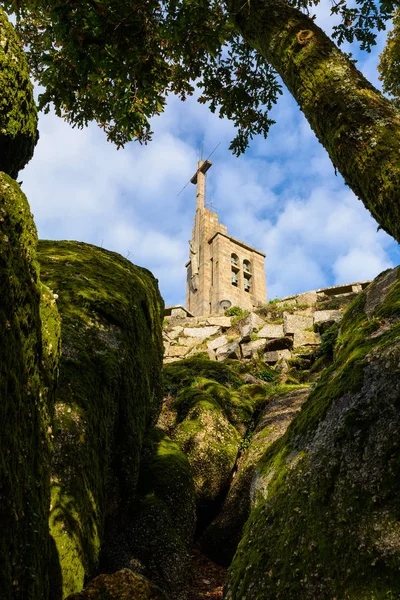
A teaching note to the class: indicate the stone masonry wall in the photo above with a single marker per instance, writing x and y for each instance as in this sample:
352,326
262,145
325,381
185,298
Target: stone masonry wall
276,332
222,248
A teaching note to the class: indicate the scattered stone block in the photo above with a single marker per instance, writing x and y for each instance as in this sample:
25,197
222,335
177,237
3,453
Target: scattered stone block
250,349
175,332
275,355
170,359
249,378
271,332
306,338
291,301
231,350
245,333
188,342
179,351
223,322
251,324
195,350
217,343
295,323
201,322
179,312
325,316
283,343
201,332
254,321
309,298
211,354
305,353
284,354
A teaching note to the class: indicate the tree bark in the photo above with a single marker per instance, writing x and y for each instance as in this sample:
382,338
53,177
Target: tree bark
356,124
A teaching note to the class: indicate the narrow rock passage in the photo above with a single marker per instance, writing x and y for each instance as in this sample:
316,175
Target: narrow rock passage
208,578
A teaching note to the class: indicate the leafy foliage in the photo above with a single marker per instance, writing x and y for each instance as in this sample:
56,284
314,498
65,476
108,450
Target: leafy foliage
389,65
328,341
266,375
18,114
362,21
236,311
116,61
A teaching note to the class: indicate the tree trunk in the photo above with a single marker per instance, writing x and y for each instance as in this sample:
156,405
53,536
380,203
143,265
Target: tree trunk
359,128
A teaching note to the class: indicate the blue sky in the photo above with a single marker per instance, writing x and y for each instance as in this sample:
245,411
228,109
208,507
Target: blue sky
282,196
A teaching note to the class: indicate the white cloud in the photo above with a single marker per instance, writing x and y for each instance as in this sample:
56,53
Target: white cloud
360,264
281,197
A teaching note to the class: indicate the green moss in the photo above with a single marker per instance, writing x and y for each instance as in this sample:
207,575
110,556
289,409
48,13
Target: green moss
280,389
187,398
221,538
182,374
328,341
29,330
266,374
18,114
326,522
108,393
390,307
321,542
236,311
237,405
165,472
212,413
158,530
211,444
257,392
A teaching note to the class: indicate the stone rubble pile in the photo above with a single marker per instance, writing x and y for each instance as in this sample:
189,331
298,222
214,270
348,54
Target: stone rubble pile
273,332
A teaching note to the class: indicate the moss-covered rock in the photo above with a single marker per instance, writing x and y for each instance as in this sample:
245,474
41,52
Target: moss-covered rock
207,410
222,537
326,521
30,333
122,585
108,395
18,114
182,374
157,533
211,444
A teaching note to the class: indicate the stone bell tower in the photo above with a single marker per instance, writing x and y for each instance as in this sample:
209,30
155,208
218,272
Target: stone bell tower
222,271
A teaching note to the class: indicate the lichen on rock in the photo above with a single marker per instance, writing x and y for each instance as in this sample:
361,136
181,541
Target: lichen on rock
108,395
223,535
29,353
211,443
18,114
207,410
326,516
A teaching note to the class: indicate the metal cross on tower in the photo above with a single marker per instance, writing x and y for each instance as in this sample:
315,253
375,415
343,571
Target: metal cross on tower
199,180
